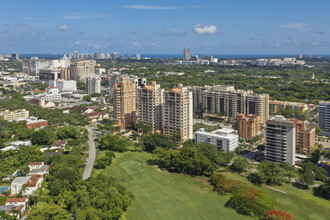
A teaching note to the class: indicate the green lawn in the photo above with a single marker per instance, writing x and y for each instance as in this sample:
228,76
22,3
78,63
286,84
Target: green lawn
163,195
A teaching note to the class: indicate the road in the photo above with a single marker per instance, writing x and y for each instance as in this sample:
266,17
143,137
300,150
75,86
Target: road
211,123
91,154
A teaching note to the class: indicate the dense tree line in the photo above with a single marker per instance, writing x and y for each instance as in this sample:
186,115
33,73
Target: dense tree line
193,159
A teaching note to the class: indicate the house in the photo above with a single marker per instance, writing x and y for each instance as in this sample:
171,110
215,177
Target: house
57,145
15,145
38,168
94,107
15,206
17,184
32,185
97,116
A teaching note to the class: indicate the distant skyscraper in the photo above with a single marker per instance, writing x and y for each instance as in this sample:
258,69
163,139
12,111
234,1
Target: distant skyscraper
15,56
300,56
75,55
124,102
114,55
324,115
93,85
310,56
178,113
186,54
138,56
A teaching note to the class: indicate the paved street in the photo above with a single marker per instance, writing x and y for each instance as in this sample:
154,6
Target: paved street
211,123
91,154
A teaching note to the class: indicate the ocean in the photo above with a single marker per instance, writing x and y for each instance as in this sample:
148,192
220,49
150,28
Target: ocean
169,56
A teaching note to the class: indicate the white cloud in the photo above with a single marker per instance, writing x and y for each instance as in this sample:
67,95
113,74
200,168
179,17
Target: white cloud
295,26
151,7
314,43
154,45
136,45
174,32
63,27
76,15
205,29
76,43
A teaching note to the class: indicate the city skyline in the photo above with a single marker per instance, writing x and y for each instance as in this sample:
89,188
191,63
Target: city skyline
155,27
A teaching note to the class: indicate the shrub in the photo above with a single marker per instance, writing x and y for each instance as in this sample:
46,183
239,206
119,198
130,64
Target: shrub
277,215
251,202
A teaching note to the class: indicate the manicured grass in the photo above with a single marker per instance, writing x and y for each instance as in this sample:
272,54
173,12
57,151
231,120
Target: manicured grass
298,203
164,195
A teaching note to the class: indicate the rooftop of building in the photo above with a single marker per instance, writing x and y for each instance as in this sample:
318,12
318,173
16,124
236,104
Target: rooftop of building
33,181
279,120
10,200
223,132
21,180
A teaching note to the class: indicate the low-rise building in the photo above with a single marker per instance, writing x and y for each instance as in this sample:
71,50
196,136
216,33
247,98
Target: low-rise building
97,116
38,168
225,138
14,115
15,206
248,127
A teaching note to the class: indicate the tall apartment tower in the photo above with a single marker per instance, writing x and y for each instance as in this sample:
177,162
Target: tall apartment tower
258,104
186,54
81,69
151,102
324,115
280,140
93,84
178,113
124,102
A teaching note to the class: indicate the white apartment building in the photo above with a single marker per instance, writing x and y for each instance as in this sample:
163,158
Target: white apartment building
64,85
81,69
151,102
280,140
225,138
93,85
51,95
34,65
178,113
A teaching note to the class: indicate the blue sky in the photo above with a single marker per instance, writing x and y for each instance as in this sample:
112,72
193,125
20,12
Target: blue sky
166,27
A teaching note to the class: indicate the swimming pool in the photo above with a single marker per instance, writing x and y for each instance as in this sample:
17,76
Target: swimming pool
4,188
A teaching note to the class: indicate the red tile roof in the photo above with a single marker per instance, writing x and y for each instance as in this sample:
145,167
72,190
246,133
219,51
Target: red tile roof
9,200
35,163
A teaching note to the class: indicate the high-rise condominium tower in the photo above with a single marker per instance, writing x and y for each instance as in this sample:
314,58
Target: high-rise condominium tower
178,113
93,84
280,140
151,102
324,115
124,102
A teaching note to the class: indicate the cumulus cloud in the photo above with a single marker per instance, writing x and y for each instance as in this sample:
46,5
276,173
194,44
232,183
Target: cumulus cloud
295,26
205,29
77,43
63,27
150,7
